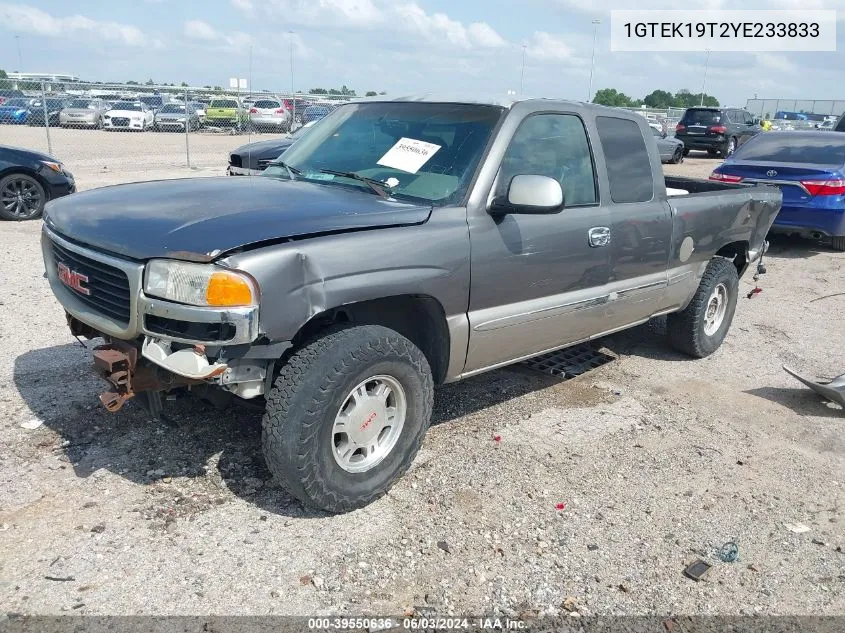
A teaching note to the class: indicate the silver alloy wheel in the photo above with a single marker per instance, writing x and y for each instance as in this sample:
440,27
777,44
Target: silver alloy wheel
731,146
717,306
369,423
21,197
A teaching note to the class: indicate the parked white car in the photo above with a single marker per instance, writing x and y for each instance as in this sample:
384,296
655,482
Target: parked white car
129,115
269,114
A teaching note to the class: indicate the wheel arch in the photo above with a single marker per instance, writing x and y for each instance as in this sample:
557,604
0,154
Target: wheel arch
419,318
737,252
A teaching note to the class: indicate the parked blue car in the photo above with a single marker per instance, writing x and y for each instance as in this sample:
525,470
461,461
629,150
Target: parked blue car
809,168
14,110
315,112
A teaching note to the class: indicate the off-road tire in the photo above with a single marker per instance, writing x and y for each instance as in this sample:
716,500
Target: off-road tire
838,243
685,329
306,397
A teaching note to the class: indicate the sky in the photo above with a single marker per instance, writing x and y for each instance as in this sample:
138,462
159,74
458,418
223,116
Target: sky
467,47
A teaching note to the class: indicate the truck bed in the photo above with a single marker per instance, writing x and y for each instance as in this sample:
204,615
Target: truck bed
699,185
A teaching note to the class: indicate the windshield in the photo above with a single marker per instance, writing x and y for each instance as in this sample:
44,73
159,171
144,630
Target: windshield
419,151
153,101
786,148
702,117
266,104
224,103
172,108
81,104
16,103
126,105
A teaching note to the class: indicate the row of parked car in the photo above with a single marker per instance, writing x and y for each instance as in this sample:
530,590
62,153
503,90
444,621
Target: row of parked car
159,113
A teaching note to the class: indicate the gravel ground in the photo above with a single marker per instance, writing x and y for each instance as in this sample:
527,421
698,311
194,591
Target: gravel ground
595,496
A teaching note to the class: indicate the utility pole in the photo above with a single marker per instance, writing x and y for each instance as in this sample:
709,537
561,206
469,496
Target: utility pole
592,61
704,85
522,75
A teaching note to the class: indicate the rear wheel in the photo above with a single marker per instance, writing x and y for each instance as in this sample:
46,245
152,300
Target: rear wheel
838,242
347,416
729,147
678,156
700,328
21,197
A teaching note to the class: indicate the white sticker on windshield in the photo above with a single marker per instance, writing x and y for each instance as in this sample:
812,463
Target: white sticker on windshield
408,155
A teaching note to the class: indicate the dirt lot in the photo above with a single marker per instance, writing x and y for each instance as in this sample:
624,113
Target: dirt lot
658,459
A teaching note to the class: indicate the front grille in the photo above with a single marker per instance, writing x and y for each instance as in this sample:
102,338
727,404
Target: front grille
109,286
119,120
235,160
190,330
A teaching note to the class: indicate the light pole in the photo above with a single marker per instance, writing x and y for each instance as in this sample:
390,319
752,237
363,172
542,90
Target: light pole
592,60
292,91
704,85
522,74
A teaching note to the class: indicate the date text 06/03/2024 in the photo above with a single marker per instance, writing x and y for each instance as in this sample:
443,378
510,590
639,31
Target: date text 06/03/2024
417,624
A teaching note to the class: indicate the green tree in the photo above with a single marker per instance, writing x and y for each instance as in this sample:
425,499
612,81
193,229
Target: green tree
183,84
218,89
659,99
318,91
371,93
132,83
612,97
150,82
3,74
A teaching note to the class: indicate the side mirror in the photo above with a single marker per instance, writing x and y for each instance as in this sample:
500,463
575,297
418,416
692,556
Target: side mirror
530,195
663,135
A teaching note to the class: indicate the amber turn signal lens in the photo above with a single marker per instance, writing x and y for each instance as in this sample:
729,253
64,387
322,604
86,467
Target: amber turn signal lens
229,290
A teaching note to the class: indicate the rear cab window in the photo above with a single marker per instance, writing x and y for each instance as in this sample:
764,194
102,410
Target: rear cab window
628,163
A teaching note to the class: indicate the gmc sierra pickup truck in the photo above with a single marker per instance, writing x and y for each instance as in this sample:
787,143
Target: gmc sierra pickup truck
400,245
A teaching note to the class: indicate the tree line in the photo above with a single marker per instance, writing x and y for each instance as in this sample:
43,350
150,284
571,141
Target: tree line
658,99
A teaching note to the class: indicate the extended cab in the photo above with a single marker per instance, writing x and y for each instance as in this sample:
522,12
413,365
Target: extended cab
399,245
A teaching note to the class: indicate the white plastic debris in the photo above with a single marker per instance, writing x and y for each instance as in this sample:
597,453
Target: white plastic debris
798,528
31,425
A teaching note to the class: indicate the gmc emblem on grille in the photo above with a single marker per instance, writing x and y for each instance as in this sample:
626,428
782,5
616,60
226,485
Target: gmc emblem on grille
73,279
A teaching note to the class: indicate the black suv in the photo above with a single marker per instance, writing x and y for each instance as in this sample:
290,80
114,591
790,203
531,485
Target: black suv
718,130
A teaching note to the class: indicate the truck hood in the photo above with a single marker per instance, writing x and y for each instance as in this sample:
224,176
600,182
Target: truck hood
199,219
264,149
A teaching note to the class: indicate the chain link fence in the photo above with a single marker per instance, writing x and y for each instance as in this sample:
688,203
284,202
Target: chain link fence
106,133
797,114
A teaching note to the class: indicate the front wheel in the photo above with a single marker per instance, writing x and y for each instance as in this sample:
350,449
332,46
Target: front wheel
700,328
21,197
346,416
729,148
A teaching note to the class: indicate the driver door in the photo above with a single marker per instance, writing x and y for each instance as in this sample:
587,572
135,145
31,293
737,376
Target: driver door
537,281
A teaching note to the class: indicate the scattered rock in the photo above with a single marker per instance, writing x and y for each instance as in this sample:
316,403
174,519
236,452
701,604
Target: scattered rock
624,588
99,528
305,580
797,528
754,567
443,545
818,541
570,604
592,547
319,583
31,425
89,504
274,594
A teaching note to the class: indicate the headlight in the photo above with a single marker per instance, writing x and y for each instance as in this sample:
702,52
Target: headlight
199,284
56,167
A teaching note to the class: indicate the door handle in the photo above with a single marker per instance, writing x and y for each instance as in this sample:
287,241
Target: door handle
599,236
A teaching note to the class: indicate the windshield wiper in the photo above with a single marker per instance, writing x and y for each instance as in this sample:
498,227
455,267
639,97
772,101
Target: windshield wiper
376,185
293,172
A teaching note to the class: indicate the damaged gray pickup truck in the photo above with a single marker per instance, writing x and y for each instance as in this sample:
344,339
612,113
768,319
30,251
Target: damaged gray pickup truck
400,245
